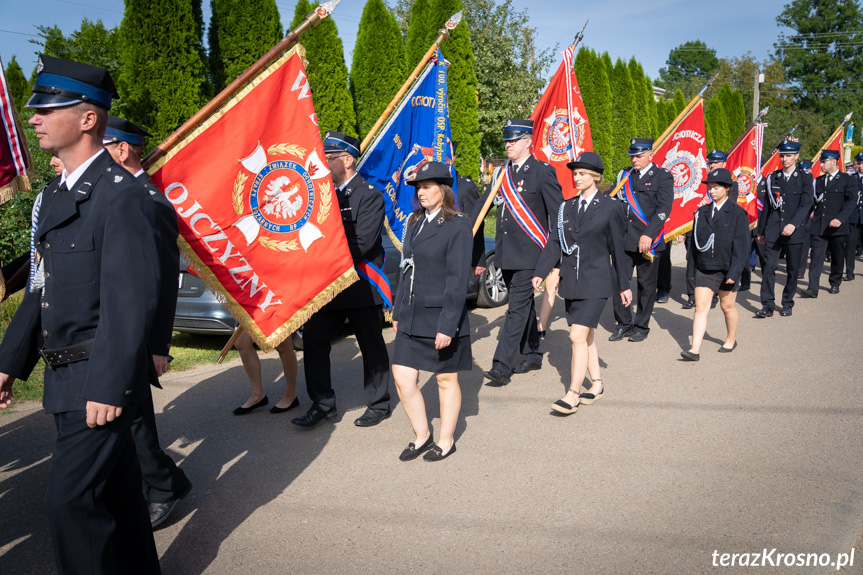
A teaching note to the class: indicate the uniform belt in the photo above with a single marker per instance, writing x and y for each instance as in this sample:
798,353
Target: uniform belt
66,355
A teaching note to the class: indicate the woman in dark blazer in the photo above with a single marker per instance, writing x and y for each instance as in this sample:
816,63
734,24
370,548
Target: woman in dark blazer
429,313
720,241
586,235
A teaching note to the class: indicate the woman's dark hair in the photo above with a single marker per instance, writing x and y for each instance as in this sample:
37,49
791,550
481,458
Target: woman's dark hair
447,210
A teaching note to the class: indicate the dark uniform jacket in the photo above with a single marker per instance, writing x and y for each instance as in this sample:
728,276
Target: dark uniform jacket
798,197
169,263
101,283
654,193
468,194
542,194
856,216
362,208
730,229
838,200
441,267
587,272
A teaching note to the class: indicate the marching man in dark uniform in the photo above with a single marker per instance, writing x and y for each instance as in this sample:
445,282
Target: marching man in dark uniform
647,207
164,483
88,311
362,209
854,222
788,197
836,196
529,194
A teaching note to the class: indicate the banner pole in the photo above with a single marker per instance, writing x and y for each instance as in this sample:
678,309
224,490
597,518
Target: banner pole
312,19
443,34
742,137
488,201
836,132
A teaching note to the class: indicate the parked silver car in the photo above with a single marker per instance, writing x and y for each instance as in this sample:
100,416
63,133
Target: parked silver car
198,310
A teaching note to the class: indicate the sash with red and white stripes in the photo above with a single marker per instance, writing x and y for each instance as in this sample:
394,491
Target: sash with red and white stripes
522,214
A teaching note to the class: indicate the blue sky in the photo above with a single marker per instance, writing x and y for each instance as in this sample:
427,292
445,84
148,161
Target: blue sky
648,30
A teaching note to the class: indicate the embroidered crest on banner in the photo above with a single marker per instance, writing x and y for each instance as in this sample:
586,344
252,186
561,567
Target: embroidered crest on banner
557,136
687,171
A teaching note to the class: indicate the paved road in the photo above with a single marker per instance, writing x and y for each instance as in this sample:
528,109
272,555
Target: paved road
737,453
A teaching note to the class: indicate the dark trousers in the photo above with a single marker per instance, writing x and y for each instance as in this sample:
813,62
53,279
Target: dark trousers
647,273
851,248
663,279
319,331
98,518
820,244
518,339
793,256
163,481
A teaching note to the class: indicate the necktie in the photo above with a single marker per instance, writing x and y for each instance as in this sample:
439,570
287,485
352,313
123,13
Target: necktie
61,190
582,207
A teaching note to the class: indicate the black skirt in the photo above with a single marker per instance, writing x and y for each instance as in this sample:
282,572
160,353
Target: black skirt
715,280
584,312
419,353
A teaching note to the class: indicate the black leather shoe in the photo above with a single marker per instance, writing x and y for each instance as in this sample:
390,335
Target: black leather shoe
833,289
244,410
496,376
638,336
313,417
764,312
371,417
542,334
689,356
688,304
621,333
744,288
436,454
527,366
277,409
849,277
806,292
159,512
786,311
412,451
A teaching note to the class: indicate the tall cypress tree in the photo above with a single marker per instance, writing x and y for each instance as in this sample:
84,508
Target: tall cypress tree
461,88
624,114
596,93
19,89
732,103
164,77
378,68
421,26
679,102
643,125
714,116
243,31
652,108
327,73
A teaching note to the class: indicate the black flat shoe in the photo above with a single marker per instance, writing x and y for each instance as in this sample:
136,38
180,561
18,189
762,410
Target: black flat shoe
808,293
371,418
542,334
849,278
764,312
496,376
436,454
833,289
786,311
724,349
621,333
688,304
638,336
527,366
277,409
313,417
244,410
412,451
689,356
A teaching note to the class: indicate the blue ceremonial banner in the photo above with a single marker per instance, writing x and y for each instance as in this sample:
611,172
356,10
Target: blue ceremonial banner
417,132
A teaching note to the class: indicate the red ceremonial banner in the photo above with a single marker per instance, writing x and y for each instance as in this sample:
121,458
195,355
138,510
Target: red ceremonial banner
771,165
743,162
683,154
14,154
561,131
259,220
834,143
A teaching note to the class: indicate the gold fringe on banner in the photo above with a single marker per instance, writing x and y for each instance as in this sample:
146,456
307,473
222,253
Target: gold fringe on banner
18,184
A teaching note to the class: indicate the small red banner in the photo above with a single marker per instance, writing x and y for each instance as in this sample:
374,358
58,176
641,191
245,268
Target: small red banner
14,154
259,217
561,131
834,143
743,162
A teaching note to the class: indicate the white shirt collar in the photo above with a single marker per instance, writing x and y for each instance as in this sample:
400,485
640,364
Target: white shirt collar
520,164
348,181
71,179
587,199
431,216
139,172
643,172
788,175
717,207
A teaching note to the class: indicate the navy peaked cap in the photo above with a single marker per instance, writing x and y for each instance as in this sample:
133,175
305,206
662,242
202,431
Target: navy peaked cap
120,130
516,128
587,161
717,156
338,142
64,82
830,154
638,146
435,171
788,147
